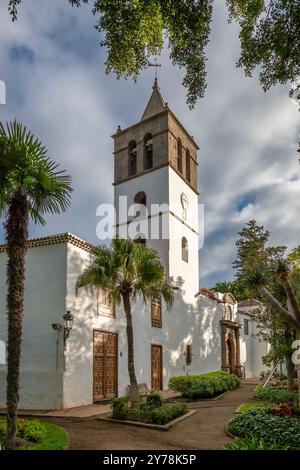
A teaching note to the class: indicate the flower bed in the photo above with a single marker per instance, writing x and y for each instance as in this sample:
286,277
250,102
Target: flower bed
268,427
204,385
153,411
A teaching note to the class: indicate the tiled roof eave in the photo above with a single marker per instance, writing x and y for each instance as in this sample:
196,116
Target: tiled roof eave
56,240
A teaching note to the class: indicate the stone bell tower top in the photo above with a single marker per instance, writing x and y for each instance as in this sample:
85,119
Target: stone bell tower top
158,140
156,104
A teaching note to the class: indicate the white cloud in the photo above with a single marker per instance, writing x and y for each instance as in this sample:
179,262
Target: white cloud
247,138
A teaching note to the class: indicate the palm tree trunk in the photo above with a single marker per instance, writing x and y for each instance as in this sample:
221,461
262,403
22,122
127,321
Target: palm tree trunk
135,396
17,239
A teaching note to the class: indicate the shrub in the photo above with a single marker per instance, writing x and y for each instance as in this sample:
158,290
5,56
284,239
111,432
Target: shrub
253,443
147,413
154,400
204,385
167,413
120,408
31,431
35,431
276,395
267,427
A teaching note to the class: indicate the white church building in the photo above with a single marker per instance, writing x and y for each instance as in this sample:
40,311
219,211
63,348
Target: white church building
73,363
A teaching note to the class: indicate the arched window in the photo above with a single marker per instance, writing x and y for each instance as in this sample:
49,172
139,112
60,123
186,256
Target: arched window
179,156
184,250
148,152
132,158
140,198
188,165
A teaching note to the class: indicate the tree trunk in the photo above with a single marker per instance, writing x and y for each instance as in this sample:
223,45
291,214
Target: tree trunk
16,229
289,371
134,392
285,315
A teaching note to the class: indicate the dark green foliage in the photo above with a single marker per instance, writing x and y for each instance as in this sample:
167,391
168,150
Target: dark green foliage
149,412
33,431
204,385
134,31
268,427
254,443
154,400
275,395
120,408
167,413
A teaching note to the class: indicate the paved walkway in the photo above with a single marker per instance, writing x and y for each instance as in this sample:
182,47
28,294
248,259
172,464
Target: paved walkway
203,430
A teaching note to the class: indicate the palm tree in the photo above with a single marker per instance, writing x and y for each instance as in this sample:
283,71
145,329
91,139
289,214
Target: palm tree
129,270
30,187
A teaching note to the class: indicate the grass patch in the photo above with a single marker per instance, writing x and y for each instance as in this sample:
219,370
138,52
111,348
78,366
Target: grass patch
38,435
57,439
244,407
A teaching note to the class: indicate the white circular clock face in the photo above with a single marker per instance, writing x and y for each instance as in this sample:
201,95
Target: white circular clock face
184,201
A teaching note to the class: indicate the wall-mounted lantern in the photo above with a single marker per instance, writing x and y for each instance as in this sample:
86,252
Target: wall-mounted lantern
68,324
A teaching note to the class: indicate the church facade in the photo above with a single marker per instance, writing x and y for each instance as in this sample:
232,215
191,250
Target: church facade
67,365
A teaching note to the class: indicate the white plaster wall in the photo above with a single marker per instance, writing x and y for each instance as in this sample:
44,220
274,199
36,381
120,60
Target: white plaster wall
252,348
45,287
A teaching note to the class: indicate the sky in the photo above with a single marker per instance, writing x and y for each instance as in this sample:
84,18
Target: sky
54,71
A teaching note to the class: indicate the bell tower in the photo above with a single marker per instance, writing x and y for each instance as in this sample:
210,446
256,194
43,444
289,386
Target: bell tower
155,169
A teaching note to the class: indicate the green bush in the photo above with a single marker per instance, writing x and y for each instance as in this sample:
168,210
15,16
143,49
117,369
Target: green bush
154,400
204,385
253,443
147,413
35,431
167,413
120,408
267,427
276,395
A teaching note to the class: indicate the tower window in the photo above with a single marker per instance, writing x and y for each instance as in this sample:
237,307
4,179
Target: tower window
179,156
156,317
188,355
140,198
148,152
132,158
188,165
184,250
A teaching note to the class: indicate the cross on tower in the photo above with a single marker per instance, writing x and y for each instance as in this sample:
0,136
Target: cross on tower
156,65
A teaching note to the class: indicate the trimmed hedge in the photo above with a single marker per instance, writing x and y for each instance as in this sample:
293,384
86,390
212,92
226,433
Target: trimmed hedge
270,428
276,395
154,411
204,385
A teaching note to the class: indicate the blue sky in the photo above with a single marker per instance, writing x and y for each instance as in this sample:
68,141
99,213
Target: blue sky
56,83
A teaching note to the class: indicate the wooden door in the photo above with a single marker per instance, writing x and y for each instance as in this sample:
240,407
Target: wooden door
156,367
105,365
